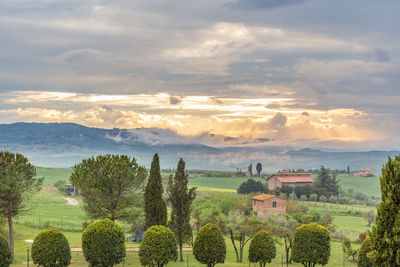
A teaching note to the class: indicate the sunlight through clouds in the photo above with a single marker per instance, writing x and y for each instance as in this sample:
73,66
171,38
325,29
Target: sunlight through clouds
237,117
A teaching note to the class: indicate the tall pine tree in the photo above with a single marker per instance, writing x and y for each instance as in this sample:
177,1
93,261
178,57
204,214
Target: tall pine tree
385,235
326,183
181,198
155,209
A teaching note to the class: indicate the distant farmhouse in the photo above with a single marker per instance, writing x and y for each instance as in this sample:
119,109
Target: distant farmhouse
265,204
293,179
365,172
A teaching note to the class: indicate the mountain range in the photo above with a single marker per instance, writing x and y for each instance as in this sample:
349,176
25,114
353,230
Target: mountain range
65,144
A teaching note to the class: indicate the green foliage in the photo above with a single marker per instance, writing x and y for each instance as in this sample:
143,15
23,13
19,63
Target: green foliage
306,190
311,245
283,227
216,217
181,199
362,236
103,243
259,169
209,247
18,182
306,218
251,186
242,229
323,199
61,185
326,220
224,202
332,199
370,217
5,252
262,248
348,250
366,247
326,183
51,249
385,233
158,247
313,197
110,185
155,208
303,198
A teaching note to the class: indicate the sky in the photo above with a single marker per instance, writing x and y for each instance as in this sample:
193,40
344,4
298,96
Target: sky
293,72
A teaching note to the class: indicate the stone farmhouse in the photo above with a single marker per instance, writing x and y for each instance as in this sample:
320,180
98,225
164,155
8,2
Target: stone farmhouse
265,204
280,179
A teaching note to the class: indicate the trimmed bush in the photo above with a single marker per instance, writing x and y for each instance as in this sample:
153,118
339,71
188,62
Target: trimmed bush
5,252
51,248
332,199
262,248
303,198
209,247
313,197
311,245
366,247
103,243
158,247
323,199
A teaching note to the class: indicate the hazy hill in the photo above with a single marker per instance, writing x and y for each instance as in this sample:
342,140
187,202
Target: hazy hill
64,144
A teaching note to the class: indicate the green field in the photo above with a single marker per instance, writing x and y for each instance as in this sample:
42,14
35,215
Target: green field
48,208
367,185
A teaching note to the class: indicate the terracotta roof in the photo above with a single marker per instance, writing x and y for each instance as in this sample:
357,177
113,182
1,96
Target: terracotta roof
263,197
301,174
295,179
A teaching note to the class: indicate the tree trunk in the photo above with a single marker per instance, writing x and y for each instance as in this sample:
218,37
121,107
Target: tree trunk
242,243
234,245
180,252
11,231
287,248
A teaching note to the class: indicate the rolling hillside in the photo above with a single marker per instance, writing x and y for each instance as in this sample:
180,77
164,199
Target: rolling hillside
64,144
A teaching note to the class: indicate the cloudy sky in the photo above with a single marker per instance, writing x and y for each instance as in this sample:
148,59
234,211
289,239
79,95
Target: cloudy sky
298,72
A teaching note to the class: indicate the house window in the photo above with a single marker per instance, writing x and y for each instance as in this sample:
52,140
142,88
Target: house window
274,204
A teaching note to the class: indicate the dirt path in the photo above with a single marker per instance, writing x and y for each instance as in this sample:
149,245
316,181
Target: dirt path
71,201
187,249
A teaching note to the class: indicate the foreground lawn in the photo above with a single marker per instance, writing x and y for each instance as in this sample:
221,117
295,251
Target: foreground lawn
132,258
48,208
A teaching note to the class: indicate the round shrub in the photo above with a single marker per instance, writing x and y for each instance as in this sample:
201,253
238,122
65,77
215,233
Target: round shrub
311,244
5,252
262,248
103,243
332,199
51,248
158,246
303,198
209,247
313,197
366,247
323,199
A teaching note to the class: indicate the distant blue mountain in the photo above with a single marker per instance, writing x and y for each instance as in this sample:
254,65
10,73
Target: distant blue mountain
65,144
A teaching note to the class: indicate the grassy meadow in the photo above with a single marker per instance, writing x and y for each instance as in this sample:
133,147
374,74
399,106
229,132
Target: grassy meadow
48,208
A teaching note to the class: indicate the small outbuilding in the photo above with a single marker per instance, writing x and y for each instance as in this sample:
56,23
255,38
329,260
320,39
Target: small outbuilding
265,204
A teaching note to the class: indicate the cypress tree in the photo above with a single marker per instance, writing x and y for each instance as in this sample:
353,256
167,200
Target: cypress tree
181,198
385,234
155,209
